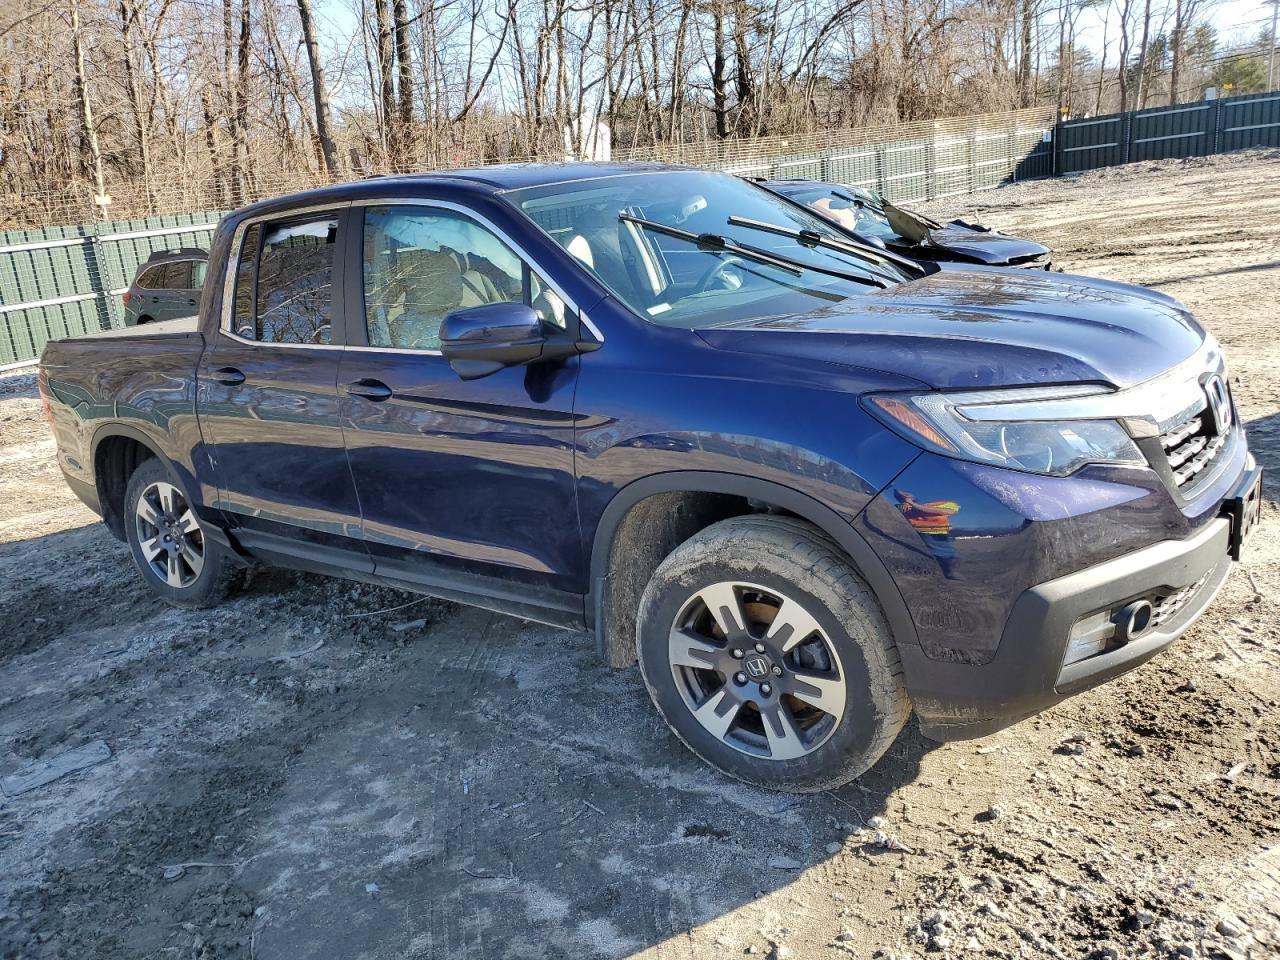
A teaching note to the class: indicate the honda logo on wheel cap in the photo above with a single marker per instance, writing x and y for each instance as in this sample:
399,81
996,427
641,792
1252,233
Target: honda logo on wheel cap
1215,389
757,667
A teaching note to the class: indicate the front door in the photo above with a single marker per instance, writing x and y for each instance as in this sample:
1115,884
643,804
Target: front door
269,402
463,485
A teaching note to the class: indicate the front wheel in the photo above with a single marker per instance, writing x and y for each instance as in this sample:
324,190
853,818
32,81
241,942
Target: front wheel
769,657
177,560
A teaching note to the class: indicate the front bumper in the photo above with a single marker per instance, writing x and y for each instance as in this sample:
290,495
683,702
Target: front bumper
956,701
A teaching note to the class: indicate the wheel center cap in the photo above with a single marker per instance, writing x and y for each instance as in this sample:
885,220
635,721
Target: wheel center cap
757,666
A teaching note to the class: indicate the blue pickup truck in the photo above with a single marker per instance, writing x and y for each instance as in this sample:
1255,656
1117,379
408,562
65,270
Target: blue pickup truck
808,486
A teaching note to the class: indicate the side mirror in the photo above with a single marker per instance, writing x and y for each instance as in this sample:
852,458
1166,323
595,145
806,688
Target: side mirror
478,341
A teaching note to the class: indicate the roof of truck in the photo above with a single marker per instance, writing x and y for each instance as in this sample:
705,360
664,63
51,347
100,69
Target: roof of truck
515,176
492,179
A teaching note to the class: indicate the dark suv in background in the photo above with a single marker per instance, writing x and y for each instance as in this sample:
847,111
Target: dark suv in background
166,287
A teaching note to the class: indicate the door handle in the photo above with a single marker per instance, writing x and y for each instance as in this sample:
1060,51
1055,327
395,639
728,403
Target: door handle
370,389
228,375
191,303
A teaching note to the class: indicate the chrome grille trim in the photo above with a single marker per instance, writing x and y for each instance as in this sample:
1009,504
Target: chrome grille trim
1190,449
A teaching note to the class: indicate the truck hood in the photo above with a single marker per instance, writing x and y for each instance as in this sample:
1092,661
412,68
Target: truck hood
986,327
987,247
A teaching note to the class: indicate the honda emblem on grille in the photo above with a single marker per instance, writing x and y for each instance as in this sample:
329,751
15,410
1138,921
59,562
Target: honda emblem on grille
1219,403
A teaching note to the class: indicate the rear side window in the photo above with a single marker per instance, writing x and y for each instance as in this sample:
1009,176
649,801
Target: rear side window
177,275
294,299
198,268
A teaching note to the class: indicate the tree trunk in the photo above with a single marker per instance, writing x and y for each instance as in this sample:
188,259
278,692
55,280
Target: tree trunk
240,148
89,142
404,63
1024,66
320,91
1177,40
141,112
744,81
719,76
1141,99
386,85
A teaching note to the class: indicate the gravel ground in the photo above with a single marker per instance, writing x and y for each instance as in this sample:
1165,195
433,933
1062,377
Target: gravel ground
307,773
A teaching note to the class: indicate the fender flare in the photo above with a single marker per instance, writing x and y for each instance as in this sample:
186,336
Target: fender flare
109,430
860,554
212,525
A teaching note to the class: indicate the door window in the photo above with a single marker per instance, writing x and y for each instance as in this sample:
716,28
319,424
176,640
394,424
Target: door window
421,264
294,297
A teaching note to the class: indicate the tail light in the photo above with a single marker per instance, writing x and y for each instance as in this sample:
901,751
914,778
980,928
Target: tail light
124,297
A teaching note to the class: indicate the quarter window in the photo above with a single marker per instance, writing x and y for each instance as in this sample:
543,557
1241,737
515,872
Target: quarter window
198,268
421,264
294,299
242,320
151,279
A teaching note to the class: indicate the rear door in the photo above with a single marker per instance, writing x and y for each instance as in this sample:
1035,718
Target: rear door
186,299
464,485
269,401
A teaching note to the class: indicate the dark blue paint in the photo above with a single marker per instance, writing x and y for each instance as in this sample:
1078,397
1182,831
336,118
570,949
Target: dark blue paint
987,327
506,479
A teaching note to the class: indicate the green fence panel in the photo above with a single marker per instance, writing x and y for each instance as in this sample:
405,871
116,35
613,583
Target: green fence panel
66,281
1252,121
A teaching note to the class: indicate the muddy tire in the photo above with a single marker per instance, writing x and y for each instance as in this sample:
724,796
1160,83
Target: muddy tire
768,655
168,542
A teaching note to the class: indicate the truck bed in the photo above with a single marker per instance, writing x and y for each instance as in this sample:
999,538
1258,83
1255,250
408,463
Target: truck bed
180,327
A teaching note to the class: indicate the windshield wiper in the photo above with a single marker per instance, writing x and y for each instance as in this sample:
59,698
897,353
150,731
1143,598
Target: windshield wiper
713,241
813,238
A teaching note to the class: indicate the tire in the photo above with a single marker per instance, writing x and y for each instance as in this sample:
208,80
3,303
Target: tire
143,319
825,655
192,570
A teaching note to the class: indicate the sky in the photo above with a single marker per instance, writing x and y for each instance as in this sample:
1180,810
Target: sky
1235,21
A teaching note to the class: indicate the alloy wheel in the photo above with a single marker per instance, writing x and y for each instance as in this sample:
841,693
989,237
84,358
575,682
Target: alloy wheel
169,535
756,670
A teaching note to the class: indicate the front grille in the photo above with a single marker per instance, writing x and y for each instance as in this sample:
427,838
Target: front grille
1191,448
1165,608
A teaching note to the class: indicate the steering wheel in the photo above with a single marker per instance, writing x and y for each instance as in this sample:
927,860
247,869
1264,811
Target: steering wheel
719,271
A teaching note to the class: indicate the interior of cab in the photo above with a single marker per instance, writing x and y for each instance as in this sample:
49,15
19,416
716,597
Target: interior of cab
421,264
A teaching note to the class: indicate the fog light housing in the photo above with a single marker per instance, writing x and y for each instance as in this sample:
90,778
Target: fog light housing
1090,636
1108,629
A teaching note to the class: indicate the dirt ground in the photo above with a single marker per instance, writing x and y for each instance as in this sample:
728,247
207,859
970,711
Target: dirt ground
326,770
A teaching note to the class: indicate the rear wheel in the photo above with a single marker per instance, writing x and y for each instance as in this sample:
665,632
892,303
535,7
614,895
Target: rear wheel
769,657
169,545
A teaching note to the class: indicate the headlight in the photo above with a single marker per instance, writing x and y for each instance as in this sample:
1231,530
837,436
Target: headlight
1007,428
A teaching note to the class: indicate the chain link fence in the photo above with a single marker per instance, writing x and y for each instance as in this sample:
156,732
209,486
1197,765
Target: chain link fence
60,281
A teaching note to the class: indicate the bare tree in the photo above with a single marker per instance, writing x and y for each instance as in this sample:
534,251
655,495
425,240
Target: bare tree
320,90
